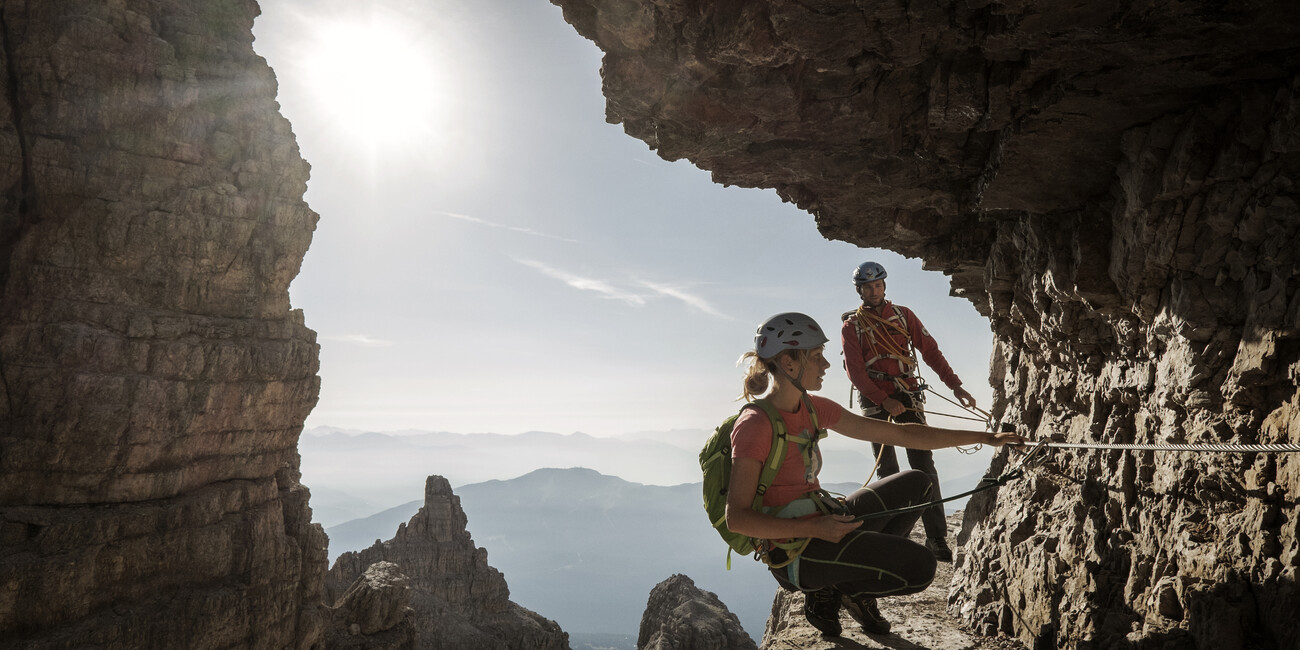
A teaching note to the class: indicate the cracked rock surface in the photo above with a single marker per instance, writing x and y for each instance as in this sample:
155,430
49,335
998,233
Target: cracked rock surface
1114,185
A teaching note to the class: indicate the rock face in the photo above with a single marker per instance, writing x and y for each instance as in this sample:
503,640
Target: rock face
460,602
1114,186
374,613
153,378
681,616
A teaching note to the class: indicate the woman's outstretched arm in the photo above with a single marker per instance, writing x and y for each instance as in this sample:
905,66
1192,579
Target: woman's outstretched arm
916,436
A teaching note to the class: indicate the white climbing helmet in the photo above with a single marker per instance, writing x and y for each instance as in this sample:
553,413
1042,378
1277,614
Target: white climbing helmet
869,272
788,331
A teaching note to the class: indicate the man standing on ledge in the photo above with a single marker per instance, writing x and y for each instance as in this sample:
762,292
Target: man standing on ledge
880,340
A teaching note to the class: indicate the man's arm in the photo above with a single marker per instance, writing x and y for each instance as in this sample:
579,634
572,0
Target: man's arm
929,349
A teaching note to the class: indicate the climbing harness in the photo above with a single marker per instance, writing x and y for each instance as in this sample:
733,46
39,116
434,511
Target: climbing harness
877,330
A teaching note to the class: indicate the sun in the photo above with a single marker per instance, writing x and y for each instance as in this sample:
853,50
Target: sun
374,80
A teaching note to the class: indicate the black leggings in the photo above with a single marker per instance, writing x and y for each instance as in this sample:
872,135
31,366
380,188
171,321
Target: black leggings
933,518
877,559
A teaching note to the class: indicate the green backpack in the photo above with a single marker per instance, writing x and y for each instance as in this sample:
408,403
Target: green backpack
715,461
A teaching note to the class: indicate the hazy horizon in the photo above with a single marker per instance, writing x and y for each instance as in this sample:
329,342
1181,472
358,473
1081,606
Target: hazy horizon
355,474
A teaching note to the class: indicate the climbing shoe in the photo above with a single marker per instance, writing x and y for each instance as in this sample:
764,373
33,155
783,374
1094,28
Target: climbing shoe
939,547
822,609
863,609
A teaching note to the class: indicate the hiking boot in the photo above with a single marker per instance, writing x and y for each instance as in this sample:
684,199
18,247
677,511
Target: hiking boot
939,547
863,609
822,609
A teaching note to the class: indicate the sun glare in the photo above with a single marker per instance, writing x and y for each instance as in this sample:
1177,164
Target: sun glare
375,80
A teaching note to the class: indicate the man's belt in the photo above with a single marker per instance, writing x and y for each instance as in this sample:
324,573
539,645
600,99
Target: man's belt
876,374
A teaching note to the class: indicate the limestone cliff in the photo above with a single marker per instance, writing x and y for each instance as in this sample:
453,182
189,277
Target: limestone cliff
681,616
374,613
1114,185
153,378
460,602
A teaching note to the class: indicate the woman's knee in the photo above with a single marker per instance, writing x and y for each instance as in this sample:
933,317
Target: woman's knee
914,482
919,564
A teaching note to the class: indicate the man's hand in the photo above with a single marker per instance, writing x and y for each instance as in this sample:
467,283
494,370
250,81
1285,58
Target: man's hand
893,407
964,397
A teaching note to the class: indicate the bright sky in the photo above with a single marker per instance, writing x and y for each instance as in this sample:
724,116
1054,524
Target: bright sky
493,257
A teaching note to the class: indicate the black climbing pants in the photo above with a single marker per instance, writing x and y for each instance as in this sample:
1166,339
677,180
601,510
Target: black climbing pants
936,524
877,559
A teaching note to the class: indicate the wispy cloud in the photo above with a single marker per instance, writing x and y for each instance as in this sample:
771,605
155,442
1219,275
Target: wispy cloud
637,298
586,284
688,298
359,339
493,224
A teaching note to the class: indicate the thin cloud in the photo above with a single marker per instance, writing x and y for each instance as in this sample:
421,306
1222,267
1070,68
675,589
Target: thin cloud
586,284
359,339
485,222
609,290
688,298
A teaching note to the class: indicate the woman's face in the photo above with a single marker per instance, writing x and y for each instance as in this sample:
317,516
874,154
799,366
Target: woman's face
811,371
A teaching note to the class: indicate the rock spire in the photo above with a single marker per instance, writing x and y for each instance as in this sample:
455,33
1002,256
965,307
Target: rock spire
460,602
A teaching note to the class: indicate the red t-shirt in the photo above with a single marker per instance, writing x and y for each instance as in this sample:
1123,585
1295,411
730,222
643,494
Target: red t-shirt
751,437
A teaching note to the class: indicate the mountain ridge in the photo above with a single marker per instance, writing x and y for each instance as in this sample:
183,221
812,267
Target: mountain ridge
559,530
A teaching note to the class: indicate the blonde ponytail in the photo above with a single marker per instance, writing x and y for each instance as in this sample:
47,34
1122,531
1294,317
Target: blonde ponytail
759,373
757,376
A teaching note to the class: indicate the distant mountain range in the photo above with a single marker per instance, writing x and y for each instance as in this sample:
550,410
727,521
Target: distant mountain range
355,474
585,549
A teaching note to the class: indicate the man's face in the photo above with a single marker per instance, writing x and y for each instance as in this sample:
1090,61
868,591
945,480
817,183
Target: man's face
873,293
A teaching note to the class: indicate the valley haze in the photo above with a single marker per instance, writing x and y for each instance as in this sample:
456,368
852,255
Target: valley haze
353,474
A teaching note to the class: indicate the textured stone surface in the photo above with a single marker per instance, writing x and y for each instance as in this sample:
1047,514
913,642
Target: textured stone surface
681,616
374,613
153,378
1114,185
460,602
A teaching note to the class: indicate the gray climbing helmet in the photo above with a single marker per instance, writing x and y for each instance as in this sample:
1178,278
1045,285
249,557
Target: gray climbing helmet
869,272
788,331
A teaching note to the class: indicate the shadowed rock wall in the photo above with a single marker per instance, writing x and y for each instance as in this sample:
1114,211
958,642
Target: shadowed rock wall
1114,185
153,378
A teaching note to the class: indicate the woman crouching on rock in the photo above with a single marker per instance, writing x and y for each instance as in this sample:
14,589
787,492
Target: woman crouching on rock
809,539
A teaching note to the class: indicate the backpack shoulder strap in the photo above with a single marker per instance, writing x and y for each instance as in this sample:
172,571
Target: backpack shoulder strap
812,414
777,454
